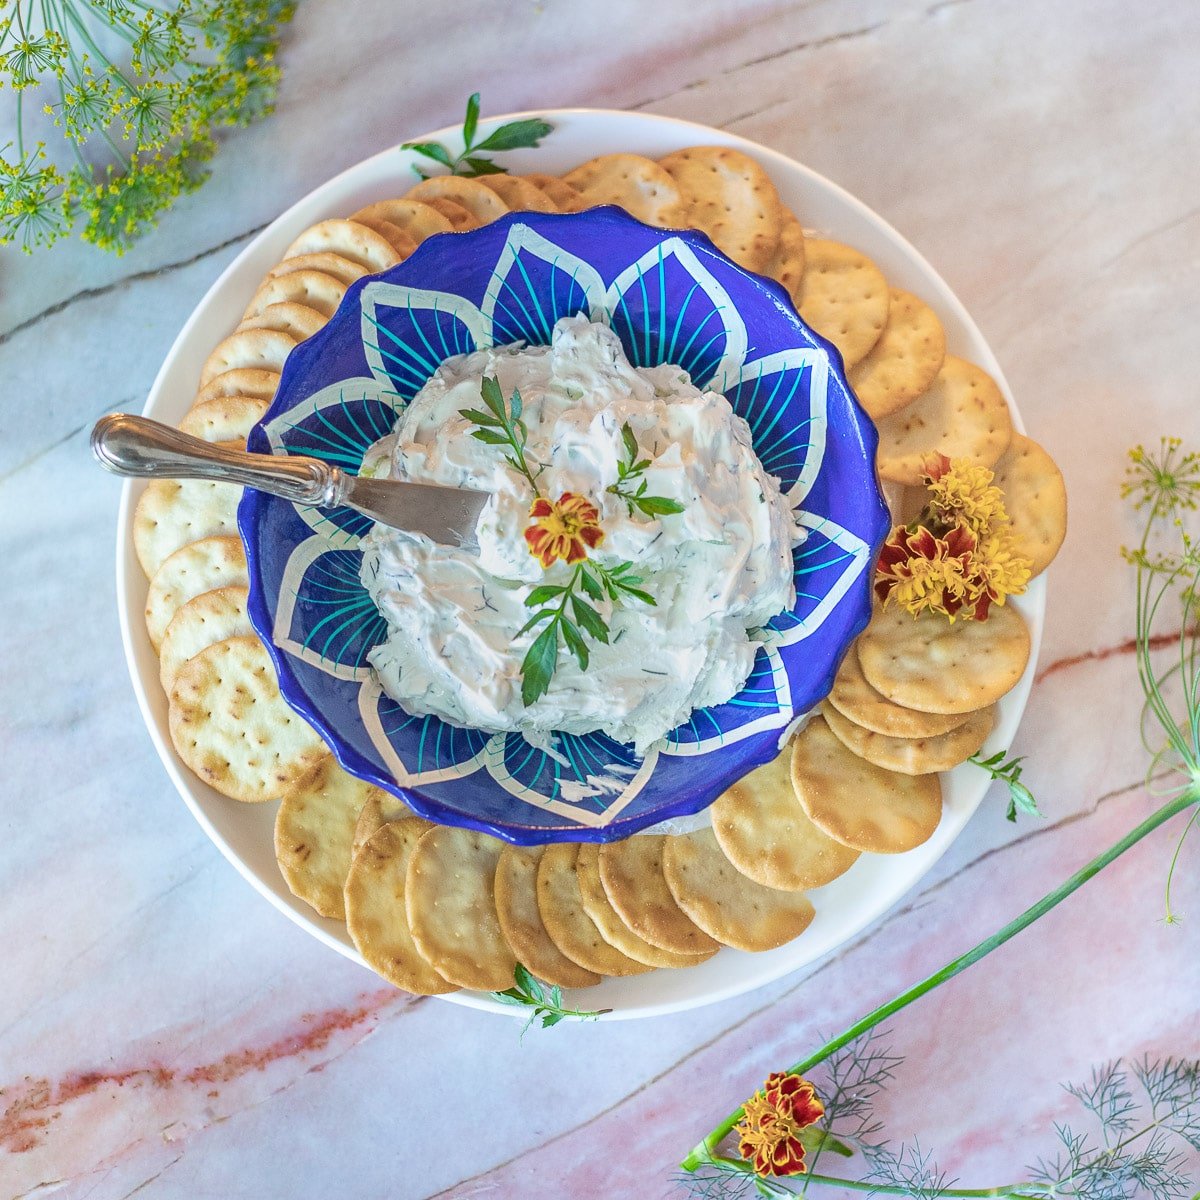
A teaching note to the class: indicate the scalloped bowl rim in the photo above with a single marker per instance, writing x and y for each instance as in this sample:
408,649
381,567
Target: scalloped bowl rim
252,507
238,832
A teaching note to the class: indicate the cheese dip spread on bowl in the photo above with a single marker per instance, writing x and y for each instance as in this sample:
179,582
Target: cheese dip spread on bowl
718,569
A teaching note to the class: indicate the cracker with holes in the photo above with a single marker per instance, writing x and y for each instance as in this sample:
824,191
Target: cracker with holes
256,349
347,239
337,266
905,361
195,568
461,219
314,289
730,908
730,198
255,383
298,320
170,513
787,263
564,197
612,928
451,906
233,729
517,910
857,803
224,419
376,914
314,829
481,202
844,297
1035,498
765,833
929,664
519,194
419,221
207,618
913,756
963,414
859,702
560,903
638,185
378,809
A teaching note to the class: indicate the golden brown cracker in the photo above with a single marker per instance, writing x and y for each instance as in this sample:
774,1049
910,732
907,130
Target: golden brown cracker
346,239
638,185
209,617
260,349
1036,500
565,198
913,756
170,513
224,418
480,201
343,269
313,289
519,194
843,296
252,382
198,567
904,362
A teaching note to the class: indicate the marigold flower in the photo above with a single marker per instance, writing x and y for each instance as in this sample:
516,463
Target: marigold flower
769,1131
565,528
921,571
962,492
999,571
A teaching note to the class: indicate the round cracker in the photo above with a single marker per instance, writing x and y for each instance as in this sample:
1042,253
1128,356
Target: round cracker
451,908
767,836
233,729
400,240
857,700
1035,498
348,239
314,830
224,418
378,809
461,219
903,364
857,803
730,198
631,872
519,194
264,349
843,296
209,617
963,414
730,908
253,382
326,262
560,904
638,185
288,317
614,930
931,665
787,264
418,220
376,916
517,910
198,567
170,513
481,202
565,198
913,756
313,289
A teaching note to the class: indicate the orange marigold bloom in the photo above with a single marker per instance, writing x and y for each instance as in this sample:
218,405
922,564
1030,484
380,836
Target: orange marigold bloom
922,571
565,528
769,1131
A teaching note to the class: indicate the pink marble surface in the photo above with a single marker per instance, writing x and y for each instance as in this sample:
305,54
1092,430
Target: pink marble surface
164,1032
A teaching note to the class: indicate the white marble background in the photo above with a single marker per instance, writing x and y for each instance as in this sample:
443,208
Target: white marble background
165,1032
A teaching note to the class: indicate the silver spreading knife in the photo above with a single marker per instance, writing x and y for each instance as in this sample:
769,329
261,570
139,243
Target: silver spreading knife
139,447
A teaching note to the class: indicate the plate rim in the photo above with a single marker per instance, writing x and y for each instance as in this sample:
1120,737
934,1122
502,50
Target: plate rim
681,132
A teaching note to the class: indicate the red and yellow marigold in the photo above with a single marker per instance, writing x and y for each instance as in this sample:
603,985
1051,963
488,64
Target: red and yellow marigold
769,1131
566,528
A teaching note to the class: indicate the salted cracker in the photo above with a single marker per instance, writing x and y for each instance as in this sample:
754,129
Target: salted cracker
313,289
520,195
254,382
261,349
376,914
209,617
564,197
233,729
347,239
905,360
481,202
929,664
844,297
857,700
638,185
461,219
913,756
200,566
287,317
962,414
224,418
378,809
857,803
517,910
730,198
1035,498
419,221
767,836
343,269
730,908
787,263
314,830
451,906
170,513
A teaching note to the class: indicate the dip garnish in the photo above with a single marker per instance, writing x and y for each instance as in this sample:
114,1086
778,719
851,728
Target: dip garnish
629,470
501,425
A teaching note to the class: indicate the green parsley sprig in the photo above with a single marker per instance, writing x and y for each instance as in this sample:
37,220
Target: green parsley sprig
1008,772
569,617
502,425
471,160
546,1003
630,471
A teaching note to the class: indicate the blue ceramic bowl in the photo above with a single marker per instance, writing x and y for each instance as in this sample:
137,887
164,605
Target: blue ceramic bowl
671,297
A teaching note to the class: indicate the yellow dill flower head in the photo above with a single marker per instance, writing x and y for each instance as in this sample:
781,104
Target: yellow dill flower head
962,492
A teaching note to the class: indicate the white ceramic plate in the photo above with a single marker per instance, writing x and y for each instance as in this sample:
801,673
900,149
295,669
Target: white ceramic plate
244,832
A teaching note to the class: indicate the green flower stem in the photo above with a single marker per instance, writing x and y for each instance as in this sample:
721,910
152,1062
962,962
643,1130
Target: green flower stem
705,1149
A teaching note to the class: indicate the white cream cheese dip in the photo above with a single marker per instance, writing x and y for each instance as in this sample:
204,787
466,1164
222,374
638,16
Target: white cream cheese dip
719,569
